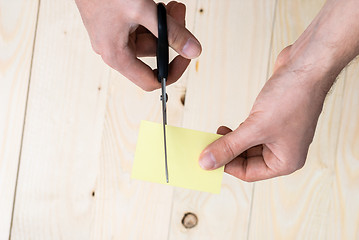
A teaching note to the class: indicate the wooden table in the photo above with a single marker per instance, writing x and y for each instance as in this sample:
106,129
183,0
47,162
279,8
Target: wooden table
69,124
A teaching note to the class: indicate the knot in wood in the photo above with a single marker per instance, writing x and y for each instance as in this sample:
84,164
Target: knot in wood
189,220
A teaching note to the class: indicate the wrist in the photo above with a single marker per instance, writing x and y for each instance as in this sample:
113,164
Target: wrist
329,43
313,62
308,68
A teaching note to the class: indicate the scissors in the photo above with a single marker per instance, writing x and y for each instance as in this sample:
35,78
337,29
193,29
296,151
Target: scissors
162,68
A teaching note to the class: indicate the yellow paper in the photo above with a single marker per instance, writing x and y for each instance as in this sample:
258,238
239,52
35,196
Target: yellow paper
183,149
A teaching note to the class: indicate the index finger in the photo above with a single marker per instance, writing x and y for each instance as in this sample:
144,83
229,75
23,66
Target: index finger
126,62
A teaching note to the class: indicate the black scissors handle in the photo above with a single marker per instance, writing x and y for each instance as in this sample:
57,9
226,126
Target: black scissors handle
162,43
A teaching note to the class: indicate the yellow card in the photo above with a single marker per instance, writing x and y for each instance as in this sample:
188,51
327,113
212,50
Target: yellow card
183,149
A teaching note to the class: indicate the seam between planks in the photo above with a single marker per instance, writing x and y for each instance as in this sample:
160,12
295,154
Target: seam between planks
188,76
25,113
267,76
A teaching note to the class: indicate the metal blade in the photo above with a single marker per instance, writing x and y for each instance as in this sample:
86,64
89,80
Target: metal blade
164,121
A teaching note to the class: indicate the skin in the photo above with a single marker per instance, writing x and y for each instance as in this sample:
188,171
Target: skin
275,138
123,30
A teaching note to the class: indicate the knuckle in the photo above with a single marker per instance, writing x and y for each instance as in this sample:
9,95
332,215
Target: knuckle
181,5
108,57
228,148
254,123
101,49
96,48
248,180
176,38
292,166
114,57
99,46
178,7
137,10
288,169
283,57
300,164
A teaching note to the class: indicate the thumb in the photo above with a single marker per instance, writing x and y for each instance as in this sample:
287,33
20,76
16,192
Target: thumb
182,40
228,147
179,38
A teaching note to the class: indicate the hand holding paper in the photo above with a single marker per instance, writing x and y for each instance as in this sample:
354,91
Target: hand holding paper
184,147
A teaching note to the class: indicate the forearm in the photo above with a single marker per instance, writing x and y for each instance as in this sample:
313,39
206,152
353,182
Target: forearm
330,42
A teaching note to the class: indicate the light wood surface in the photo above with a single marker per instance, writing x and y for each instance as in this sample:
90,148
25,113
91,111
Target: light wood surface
63,130
82,120
345,210
17,31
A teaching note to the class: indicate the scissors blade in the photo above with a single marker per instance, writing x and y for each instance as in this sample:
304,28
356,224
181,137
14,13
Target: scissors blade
164,122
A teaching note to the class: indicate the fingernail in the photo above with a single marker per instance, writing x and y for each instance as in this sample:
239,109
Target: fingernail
207,161
191,49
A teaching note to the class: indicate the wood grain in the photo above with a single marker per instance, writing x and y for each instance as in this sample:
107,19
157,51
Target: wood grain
62,136
300,206
127,208
17,31
82,124
345,214
221,89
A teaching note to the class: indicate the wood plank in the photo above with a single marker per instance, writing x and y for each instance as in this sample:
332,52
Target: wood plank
345,217
72,187
301,205
63,130
128,208
222,87
17,31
